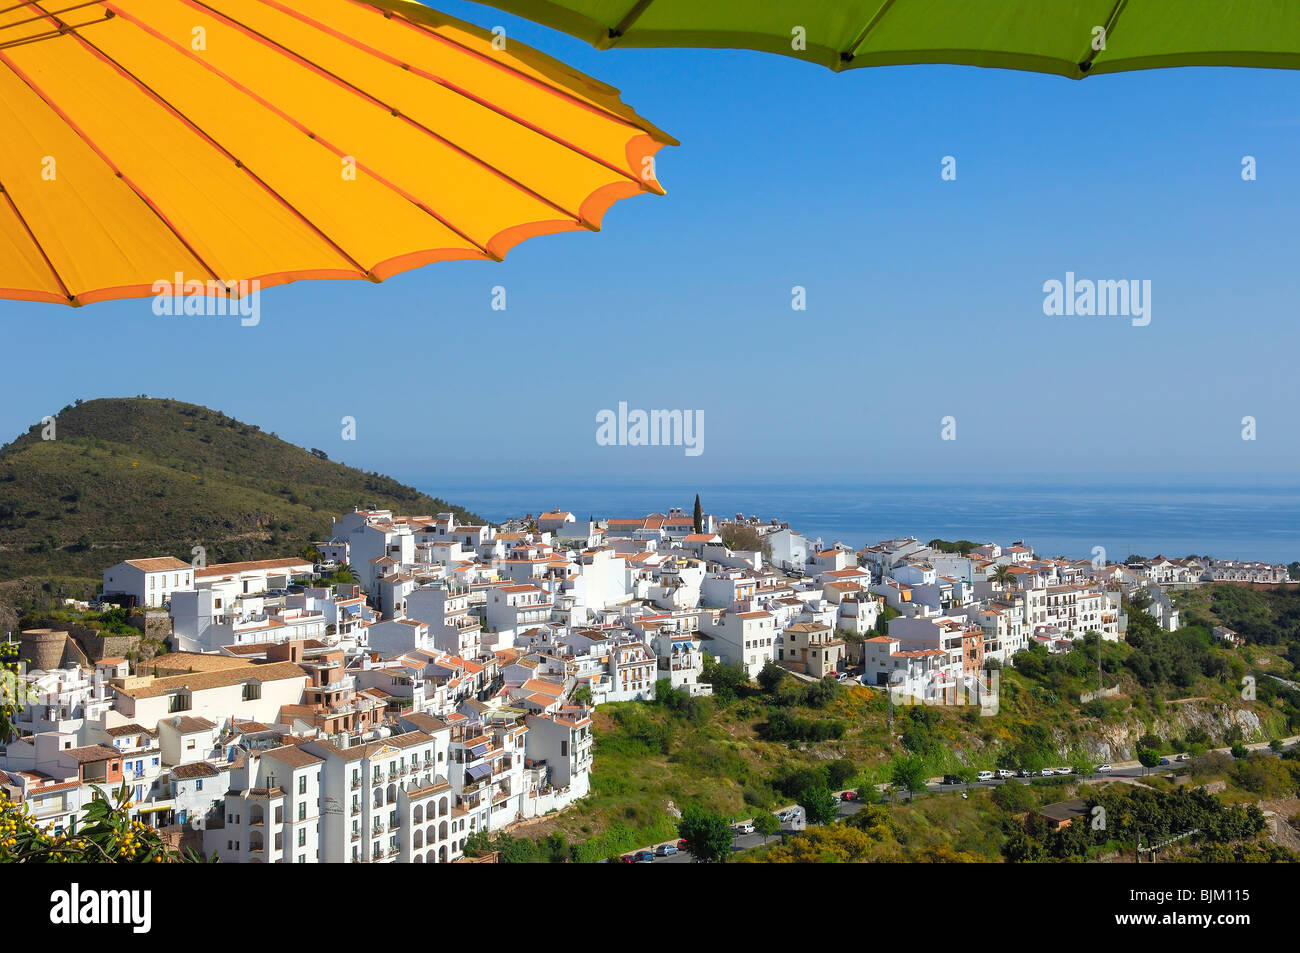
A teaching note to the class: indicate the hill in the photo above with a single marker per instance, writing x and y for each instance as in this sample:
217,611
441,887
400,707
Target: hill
129,477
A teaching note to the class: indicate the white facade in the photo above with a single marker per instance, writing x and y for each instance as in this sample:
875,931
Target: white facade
150,582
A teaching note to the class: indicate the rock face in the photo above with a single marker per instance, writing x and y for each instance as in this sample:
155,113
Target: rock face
1118,742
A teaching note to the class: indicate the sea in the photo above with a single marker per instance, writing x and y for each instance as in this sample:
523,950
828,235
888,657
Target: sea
1234,519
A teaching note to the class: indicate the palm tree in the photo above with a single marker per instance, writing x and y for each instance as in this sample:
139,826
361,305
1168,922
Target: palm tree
1002,576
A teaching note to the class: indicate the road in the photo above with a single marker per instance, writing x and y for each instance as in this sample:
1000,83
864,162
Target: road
1121,769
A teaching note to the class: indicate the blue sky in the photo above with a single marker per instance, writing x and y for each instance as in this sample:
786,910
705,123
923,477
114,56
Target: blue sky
924,296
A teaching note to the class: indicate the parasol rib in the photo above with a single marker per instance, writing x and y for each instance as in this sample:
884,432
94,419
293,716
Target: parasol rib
458,90
629,18
1085,64
287,204
847,55
194,127
387,107
36,243
103,157
563,94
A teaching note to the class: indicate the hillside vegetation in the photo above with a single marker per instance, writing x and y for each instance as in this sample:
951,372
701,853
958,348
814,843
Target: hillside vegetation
131,477
757,748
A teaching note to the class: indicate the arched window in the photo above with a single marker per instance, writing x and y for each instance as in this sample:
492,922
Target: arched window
417,816
418,840
442,831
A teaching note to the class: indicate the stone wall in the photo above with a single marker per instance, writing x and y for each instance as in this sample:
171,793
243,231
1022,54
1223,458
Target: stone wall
1100,693
95,645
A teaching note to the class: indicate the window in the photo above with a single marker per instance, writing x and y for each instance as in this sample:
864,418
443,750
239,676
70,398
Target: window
302,837
302,784
198,785
302,810
279,814
252,691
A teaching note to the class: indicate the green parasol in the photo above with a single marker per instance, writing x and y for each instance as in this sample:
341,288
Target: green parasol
1073,38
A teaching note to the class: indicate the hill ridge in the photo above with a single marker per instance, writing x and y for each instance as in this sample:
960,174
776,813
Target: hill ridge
139,476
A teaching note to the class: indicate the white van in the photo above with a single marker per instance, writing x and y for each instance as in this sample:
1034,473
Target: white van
984,776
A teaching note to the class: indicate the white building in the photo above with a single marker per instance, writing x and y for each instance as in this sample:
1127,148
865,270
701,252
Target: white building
741,638
149,582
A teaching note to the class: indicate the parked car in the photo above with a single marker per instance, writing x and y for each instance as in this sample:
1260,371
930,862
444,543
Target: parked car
1024,773
627,859
643,857
984,776
744,827
666,850
1103,768
1046,772
1165,761
951,779
849,796
681,844
1184,757
1003,773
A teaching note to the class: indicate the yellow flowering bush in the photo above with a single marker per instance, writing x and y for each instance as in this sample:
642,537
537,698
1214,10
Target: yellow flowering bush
106,834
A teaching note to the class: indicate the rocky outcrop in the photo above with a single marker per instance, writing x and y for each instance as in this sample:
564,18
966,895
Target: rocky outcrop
1118,742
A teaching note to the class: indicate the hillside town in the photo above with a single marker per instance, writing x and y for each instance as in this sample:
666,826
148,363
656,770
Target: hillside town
417,681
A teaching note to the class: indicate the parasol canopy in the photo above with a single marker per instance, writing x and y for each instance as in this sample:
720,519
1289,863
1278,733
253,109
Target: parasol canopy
238,140
1073,38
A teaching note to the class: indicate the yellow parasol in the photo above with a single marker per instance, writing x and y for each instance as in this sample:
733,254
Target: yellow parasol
255,140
